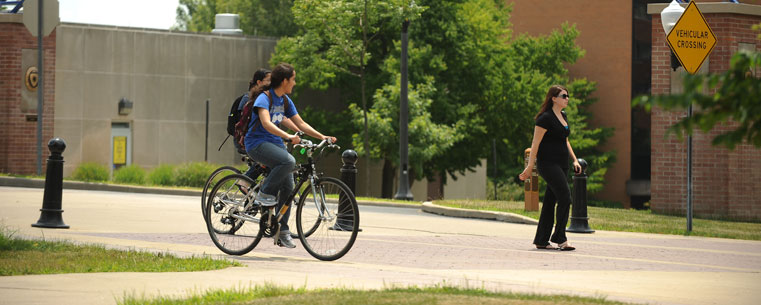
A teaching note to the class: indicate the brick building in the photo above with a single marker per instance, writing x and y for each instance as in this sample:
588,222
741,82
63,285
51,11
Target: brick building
620,39
726,183
18,105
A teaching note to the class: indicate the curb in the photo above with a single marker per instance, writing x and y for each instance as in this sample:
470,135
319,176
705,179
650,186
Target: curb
388,204
92,186
488,215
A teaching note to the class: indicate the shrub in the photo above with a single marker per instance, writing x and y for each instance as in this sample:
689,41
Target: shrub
162,175
505,191
91,172
194,174
606,204
131,174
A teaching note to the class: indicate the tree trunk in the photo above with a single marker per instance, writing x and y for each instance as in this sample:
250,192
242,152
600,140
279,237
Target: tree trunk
389,172
366,145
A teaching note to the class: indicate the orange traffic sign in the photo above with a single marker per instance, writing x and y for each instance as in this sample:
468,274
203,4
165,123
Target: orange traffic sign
691,39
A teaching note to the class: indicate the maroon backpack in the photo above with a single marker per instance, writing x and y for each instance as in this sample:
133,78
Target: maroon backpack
241,128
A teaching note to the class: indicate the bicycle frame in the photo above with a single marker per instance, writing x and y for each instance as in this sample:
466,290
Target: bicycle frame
305,172
236,222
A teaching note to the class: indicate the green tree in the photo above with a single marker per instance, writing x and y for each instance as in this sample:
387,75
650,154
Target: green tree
536,63
257,17
342,43
427,139
468,42
733,97
483,83
491,85
195,16
487,86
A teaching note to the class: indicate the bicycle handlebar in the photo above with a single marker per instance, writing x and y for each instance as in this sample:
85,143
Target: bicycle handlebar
309,145
298,133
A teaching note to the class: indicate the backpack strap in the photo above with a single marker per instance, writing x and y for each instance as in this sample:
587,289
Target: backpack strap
269,107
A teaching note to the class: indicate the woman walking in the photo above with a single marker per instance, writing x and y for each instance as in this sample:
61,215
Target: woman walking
551,149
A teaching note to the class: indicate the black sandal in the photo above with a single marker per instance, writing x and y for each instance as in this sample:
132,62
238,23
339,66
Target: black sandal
546,247
565,247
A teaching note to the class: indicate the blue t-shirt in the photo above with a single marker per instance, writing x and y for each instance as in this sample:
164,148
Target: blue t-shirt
278,112
243,101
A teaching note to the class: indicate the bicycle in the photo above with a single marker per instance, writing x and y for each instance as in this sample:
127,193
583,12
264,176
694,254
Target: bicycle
259,173
327,215
228,170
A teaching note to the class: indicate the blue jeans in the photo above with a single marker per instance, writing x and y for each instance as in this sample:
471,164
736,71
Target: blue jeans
280,178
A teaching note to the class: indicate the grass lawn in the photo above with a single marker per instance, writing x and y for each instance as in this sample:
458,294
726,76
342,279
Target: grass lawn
21,256
630,220
270,294
21,176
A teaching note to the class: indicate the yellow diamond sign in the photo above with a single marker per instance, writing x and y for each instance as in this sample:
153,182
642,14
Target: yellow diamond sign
691,39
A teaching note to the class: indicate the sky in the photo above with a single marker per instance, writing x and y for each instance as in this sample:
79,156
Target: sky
154,14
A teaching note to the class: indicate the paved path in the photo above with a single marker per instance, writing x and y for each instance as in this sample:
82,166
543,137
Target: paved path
399,246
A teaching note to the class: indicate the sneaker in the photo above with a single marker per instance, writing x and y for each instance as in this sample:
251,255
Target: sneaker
285,240
265,200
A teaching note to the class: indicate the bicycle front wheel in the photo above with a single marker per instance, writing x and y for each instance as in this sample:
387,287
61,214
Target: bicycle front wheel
327,219
232,221
213,179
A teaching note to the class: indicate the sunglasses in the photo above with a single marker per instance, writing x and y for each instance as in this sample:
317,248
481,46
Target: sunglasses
565,96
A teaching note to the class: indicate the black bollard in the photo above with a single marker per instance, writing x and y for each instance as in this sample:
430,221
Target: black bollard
349,169
579,219
349,177
50,216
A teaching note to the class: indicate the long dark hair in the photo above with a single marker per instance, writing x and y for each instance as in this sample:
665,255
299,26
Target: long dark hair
280,73
553,92
258,75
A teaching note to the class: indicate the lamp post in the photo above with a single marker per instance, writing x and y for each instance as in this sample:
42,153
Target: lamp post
403,191
669,17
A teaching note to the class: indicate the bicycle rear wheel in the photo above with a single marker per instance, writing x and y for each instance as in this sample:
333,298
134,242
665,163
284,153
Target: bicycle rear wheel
327,219
232,222
213,179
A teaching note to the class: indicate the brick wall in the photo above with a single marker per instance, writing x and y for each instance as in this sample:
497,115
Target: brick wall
18,137
726,183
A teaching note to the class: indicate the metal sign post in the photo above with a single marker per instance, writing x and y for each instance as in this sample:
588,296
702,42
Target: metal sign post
34,20
40,88
692,40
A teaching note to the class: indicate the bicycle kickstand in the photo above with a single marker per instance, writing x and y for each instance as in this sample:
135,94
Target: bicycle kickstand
275,229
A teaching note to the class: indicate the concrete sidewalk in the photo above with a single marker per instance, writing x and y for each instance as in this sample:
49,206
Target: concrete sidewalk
397,247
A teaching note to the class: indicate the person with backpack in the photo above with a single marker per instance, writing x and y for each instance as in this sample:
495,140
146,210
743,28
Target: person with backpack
240,116
264,142
258,83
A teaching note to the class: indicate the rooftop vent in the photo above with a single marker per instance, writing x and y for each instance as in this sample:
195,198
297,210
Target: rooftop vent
227,24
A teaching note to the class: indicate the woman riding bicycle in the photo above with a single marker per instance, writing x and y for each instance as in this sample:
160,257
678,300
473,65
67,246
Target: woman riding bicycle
264,142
